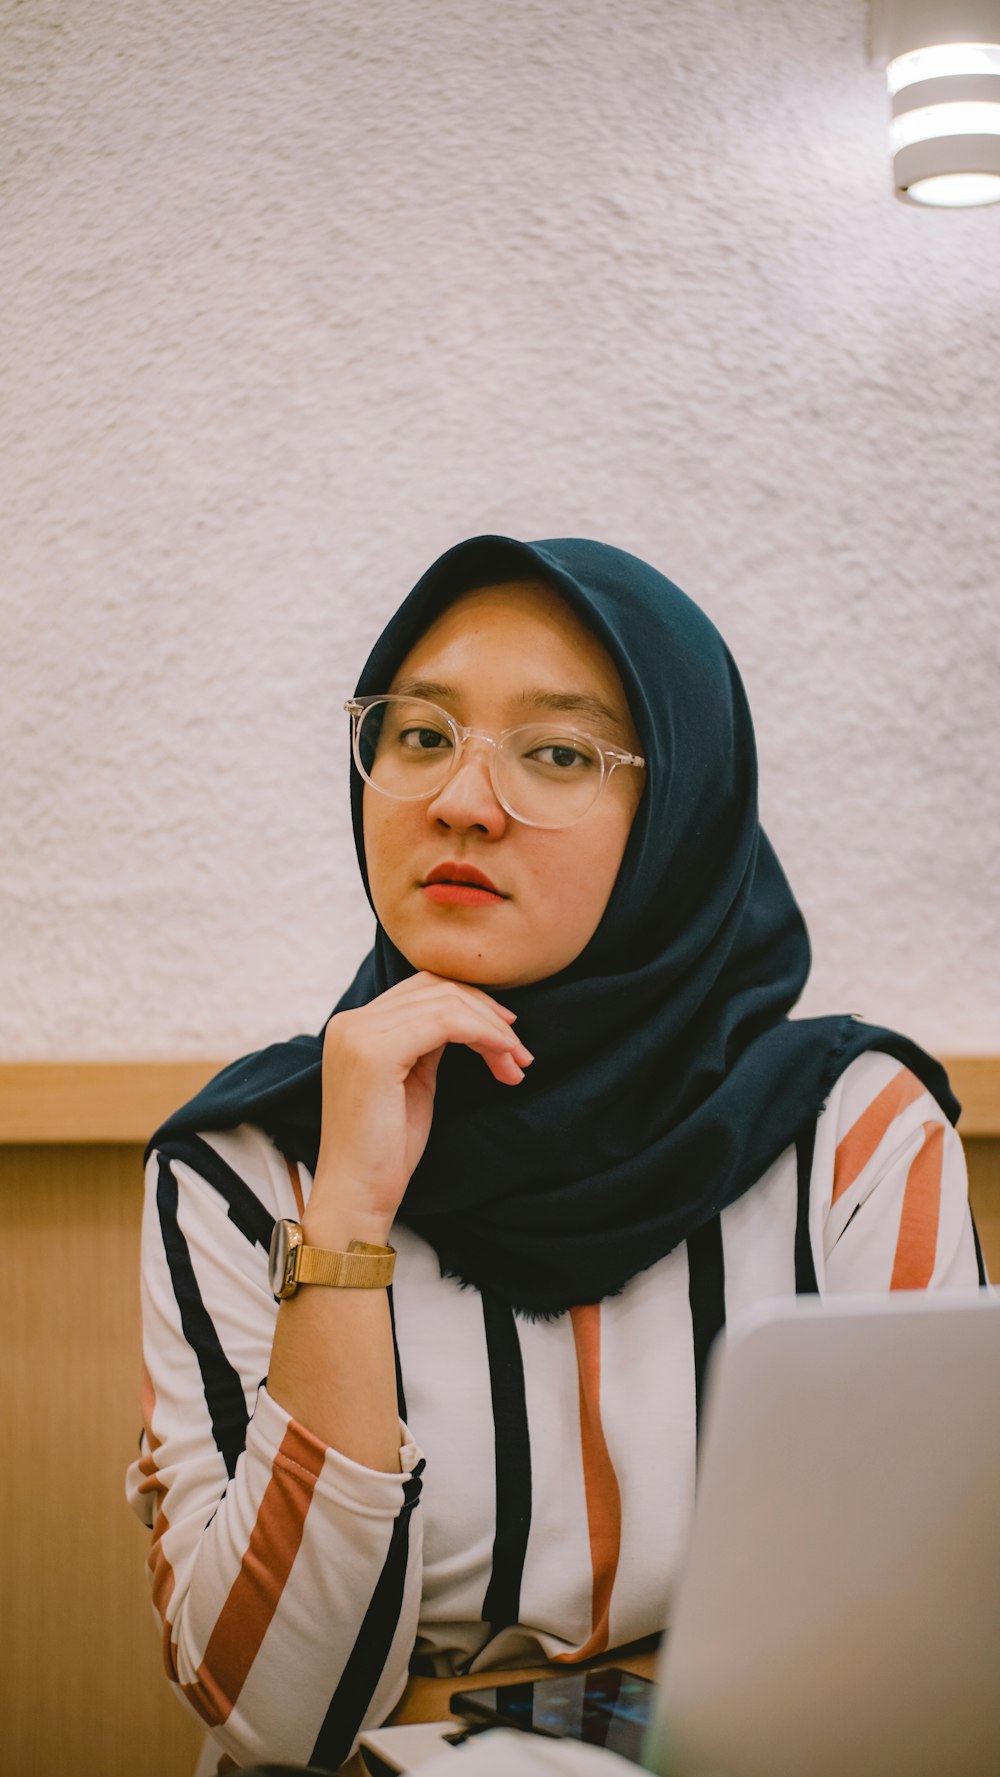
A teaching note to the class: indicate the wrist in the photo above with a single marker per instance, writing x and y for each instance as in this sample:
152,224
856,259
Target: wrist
333,1217
334,1233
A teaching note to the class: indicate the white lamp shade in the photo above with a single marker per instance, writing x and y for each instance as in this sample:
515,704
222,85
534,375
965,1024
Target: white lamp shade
943,65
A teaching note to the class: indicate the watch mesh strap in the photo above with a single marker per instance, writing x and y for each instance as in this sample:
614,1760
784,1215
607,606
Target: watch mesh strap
362,1267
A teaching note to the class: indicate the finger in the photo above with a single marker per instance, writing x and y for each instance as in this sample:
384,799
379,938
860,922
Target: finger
450,1010
493,1044
407,1034
425,1070
509,1063
507,1066
504,1011
505,1069
465,988
473,996
504,1054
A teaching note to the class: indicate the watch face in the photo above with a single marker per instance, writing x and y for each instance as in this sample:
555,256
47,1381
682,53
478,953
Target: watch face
282,1260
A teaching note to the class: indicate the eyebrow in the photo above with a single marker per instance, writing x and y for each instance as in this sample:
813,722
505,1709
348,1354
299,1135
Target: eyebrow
583,703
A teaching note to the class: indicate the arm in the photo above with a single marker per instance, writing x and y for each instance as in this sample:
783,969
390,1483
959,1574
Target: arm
286,1574
286,1553
333,1361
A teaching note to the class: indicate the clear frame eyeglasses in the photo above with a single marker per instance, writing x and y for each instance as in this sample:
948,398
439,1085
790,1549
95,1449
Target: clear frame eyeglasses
545,774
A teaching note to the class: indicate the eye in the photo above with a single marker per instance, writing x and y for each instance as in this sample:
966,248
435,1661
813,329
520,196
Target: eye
563,756
422,739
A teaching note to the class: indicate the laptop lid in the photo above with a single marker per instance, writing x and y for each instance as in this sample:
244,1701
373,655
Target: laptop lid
838,1614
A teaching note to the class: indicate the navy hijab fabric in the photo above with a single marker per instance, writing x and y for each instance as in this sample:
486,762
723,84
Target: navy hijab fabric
667,1075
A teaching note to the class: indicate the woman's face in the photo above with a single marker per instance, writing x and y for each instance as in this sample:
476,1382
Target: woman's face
489,647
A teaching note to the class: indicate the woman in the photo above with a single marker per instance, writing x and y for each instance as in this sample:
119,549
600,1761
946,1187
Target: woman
572,1101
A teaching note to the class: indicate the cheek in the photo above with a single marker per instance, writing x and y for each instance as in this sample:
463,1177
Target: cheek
371,829
602,871
575,880
387,844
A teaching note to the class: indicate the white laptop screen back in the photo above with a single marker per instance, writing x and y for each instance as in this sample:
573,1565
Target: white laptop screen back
839,1610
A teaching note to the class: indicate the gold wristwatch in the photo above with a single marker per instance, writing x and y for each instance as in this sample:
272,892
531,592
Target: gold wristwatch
291,1262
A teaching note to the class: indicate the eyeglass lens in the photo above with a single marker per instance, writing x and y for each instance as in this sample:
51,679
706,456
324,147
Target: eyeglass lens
544,773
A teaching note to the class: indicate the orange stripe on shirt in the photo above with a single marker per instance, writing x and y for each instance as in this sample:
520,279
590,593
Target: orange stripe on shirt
161,1570
162,1573
856,1148
159,1567
253,1597
163,1582
152,1482
293,1173
163,1591
604,1505
916,1244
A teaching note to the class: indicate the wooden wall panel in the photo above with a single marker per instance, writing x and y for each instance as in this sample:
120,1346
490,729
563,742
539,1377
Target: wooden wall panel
94,1101
123,1101
82,1689
983,1159
81,1675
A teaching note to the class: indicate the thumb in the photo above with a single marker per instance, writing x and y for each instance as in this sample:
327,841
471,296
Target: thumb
425,1070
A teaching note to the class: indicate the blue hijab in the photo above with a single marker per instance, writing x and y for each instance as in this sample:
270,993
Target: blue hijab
668,1074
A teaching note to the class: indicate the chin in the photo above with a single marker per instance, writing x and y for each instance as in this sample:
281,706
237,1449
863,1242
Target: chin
457,967
456,961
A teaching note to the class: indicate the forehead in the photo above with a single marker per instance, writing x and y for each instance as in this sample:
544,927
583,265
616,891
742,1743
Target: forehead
494,625
523,645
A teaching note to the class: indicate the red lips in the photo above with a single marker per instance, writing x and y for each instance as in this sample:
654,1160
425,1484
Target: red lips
462,873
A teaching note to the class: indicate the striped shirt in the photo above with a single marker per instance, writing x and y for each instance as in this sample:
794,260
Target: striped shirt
547,1467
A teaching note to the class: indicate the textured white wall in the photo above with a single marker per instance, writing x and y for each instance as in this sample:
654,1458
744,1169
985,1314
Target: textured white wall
296,295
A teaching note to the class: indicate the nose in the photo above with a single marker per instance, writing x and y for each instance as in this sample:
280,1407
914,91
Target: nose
468,799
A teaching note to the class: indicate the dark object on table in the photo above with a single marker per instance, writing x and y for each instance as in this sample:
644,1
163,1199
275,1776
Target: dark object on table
283,1771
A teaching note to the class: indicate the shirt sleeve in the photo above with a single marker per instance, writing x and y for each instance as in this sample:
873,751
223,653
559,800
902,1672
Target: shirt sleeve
285,1576
890,1188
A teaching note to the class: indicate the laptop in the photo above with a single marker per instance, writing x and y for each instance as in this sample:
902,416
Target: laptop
839,1608
838,1612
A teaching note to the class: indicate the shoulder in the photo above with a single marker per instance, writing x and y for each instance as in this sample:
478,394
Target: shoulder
875,1106
237,1166
889,1183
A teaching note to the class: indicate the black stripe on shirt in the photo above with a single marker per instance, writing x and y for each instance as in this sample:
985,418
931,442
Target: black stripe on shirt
400,1395
980,1265
806,1283
224,1395
707,1297
366,1661
512,1455
245,1210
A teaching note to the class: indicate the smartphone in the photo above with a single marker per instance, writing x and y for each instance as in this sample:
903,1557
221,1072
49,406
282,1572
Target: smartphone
609,1708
